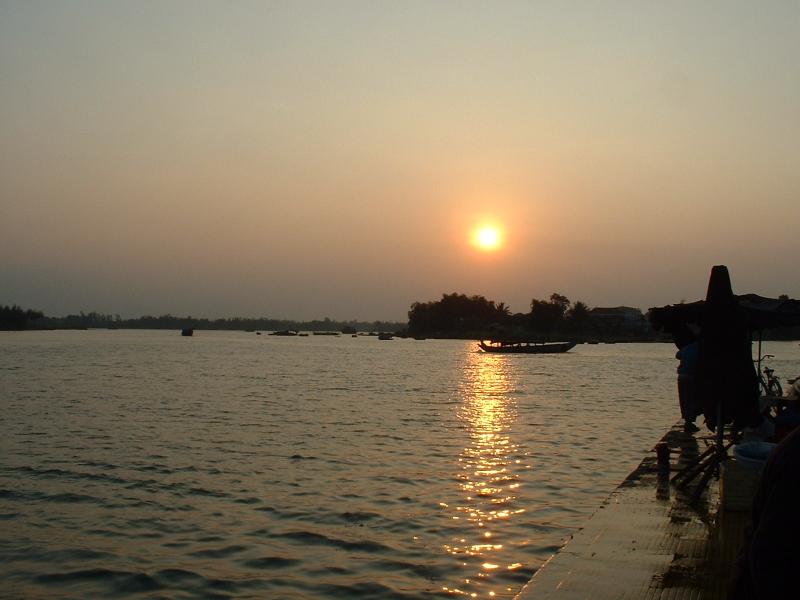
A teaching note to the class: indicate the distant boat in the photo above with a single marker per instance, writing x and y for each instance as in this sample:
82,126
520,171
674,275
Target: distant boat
326,333
187,332
385,336
509,347
285,333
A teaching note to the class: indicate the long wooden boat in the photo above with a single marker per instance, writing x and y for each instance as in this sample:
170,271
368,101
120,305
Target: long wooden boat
525,347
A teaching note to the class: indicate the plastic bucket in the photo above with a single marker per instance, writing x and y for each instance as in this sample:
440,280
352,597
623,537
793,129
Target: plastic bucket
753,455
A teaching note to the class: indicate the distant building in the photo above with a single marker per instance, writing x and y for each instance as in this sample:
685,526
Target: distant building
619,318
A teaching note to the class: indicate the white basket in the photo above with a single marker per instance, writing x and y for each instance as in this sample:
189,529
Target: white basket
738,485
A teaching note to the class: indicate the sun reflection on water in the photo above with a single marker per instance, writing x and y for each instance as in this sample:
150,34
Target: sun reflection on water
489,477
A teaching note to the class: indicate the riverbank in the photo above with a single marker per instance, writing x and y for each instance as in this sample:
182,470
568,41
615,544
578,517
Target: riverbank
647,540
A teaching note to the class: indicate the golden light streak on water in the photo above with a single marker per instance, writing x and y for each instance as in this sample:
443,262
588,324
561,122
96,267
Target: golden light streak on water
488,472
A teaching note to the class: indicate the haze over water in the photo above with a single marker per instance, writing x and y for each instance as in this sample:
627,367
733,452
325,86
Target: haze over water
235,465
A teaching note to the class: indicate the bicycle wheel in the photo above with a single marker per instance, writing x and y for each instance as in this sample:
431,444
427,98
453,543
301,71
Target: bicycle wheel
775,388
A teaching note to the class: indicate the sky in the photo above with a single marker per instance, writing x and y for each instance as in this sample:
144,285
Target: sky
308,159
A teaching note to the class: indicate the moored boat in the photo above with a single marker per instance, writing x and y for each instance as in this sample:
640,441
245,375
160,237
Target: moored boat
522,347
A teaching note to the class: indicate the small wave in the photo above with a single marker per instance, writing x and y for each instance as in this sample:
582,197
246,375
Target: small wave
210,538
307,537
199,491
296,515
219,552
305,493
38,554
150,485
180,490
98,464
146,484
195,584
424,571
66,474
329,570
120,581
175,544
363,590
106,533
178,576
358,516
65,498
395,479
263,532
322,517
271,562
250,500
157,524
404,526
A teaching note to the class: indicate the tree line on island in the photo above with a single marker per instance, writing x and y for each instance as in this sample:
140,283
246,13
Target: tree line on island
462,316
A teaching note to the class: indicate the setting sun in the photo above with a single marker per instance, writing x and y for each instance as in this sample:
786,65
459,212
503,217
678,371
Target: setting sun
487,238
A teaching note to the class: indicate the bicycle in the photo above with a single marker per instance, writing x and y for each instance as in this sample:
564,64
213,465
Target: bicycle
770,384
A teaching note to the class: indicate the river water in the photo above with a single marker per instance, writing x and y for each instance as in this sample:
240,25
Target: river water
144,464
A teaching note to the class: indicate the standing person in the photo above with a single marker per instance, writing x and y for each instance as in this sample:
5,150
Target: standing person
688,352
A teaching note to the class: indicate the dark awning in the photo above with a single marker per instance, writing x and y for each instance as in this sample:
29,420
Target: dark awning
760,313
721,304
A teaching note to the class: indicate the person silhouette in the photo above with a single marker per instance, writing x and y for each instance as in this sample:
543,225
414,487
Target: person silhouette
769,561
688,351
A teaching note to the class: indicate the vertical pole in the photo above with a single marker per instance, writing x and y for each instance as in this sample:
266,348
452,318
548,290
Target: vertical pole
758,369
720,435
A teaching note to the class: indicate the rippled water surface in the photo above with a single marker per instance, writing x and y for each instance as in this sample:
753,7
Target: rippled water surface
234,465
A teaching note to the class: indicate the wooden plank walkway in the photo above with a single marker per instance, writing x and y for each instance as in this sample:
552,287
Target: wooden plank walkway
647,542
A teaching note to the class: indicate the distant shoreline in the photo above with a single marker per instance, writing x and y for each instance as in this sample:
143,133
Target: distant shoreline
578,338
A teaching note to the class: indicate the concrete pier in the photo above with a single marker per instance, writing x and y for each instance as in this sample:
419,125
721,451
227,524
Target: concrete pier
647,540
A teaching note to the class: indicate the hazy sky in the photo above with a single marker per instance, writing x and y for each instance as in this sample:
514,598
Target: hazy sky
310,159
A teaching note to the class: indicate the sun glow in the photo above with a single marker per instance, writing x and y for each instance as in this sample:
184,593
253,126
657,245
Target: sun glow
487,238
